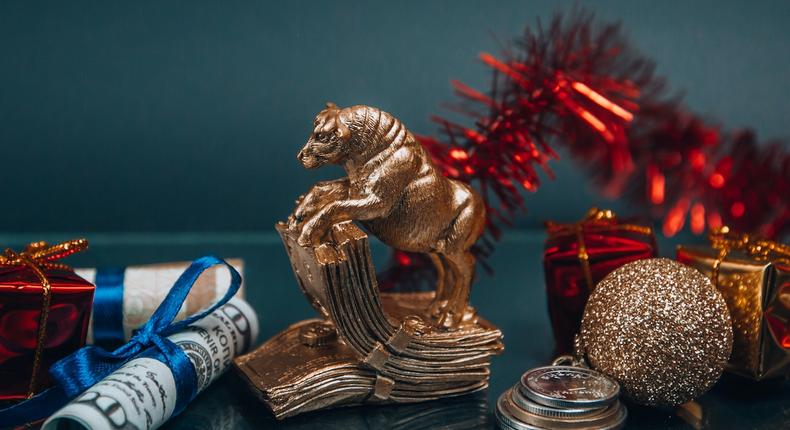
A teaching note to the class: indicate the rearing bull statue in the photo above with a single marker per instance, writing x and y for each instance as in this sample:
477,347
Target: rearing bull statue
394,190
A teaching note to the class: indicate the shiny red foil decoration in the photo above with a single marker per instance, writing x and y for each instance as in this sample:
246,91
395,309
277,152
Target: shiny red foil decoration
560,84
20,310
577,84
567,287
692,175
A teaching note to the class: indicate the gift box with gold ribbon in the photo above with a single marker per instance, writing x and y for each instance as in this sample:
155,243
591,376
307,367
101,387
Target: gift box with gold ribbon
44,312
578,255
753,275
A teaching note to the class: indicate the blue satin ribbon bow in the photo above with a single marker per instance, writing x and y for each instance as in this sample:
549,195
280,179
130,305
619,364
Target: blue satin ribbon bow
87,366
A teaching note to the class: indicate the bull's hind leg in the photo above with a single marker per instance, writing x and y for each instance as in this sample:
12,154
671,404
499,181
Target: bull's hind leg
457,309
440,299
461,235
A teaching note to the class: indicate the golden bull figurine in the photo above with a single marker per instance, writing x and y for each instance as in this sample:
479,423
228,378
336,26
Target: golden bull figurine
370,347
395,191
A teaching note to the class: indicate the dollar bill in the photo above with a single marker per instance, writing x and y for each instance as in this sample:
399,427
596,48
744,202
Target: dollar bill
147,285
141,395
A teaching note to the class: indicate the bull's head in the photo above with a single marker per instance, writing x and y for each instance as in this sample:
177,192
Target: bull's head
329,141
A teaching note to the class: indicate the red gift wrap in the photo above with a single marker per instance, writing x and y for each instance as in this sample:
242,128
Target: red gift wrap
576,256
44,312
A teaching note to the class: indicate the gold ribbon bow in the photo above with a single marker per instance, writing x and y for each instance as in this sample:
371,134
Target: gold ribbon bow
597,220
38,257
725,241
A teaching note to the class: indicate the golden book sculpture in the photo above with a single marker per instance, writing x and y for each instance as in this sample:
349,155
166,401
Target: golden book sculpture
367,346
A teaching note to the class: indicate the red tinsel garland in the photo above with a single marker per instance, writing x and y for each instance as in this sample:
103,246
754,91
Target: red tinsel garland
580,85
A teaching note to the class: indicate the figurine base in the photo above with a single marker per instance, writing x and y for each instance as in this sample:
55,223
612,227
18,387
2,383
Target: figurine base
297,371
370,348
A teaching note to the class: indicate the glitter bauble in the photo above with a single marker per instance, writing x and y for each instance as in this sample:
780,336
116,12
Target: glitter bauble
660,328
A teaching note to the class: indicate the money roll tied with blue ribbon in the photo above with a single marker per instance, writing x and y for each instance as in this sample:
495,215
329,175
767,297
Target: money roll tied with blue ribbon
177,356
126,297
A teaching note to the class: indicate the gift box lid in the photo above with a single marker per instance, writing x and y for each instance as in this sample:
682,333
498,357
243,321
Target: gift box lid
601,233
24,279
735,259
598,245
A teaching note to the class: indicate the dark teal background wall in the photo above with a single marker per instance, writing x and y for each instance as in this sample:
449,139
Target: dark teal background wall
148,116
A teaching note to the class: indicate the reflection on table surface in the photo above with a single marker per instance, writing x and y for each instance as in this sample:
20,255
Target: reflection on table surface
733,404
227,405
514,299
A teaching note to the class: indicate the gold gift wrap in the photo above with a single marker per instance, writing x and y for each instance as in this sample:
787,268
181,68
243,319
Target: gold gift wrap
754,278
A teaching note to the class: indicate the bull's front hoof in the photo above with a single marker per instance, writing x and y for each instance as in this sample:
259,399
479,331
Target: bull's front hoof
311,234
303,240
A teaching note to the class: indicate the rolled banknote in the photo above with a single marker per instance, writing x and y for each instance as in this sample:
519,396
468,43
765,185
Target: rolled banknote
141,395
127,296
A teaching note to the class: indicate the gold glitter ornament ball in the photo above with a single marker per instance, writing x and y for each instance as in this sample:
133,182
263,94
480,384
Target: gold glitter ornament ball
660,328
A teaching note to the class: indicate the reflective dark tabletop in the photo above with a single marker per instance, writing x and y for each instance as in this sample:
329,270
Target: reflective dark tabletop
513,299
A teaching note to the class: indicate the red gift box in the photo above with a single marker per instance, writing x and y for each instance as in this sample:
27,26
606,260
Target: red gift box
44,312
576,256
